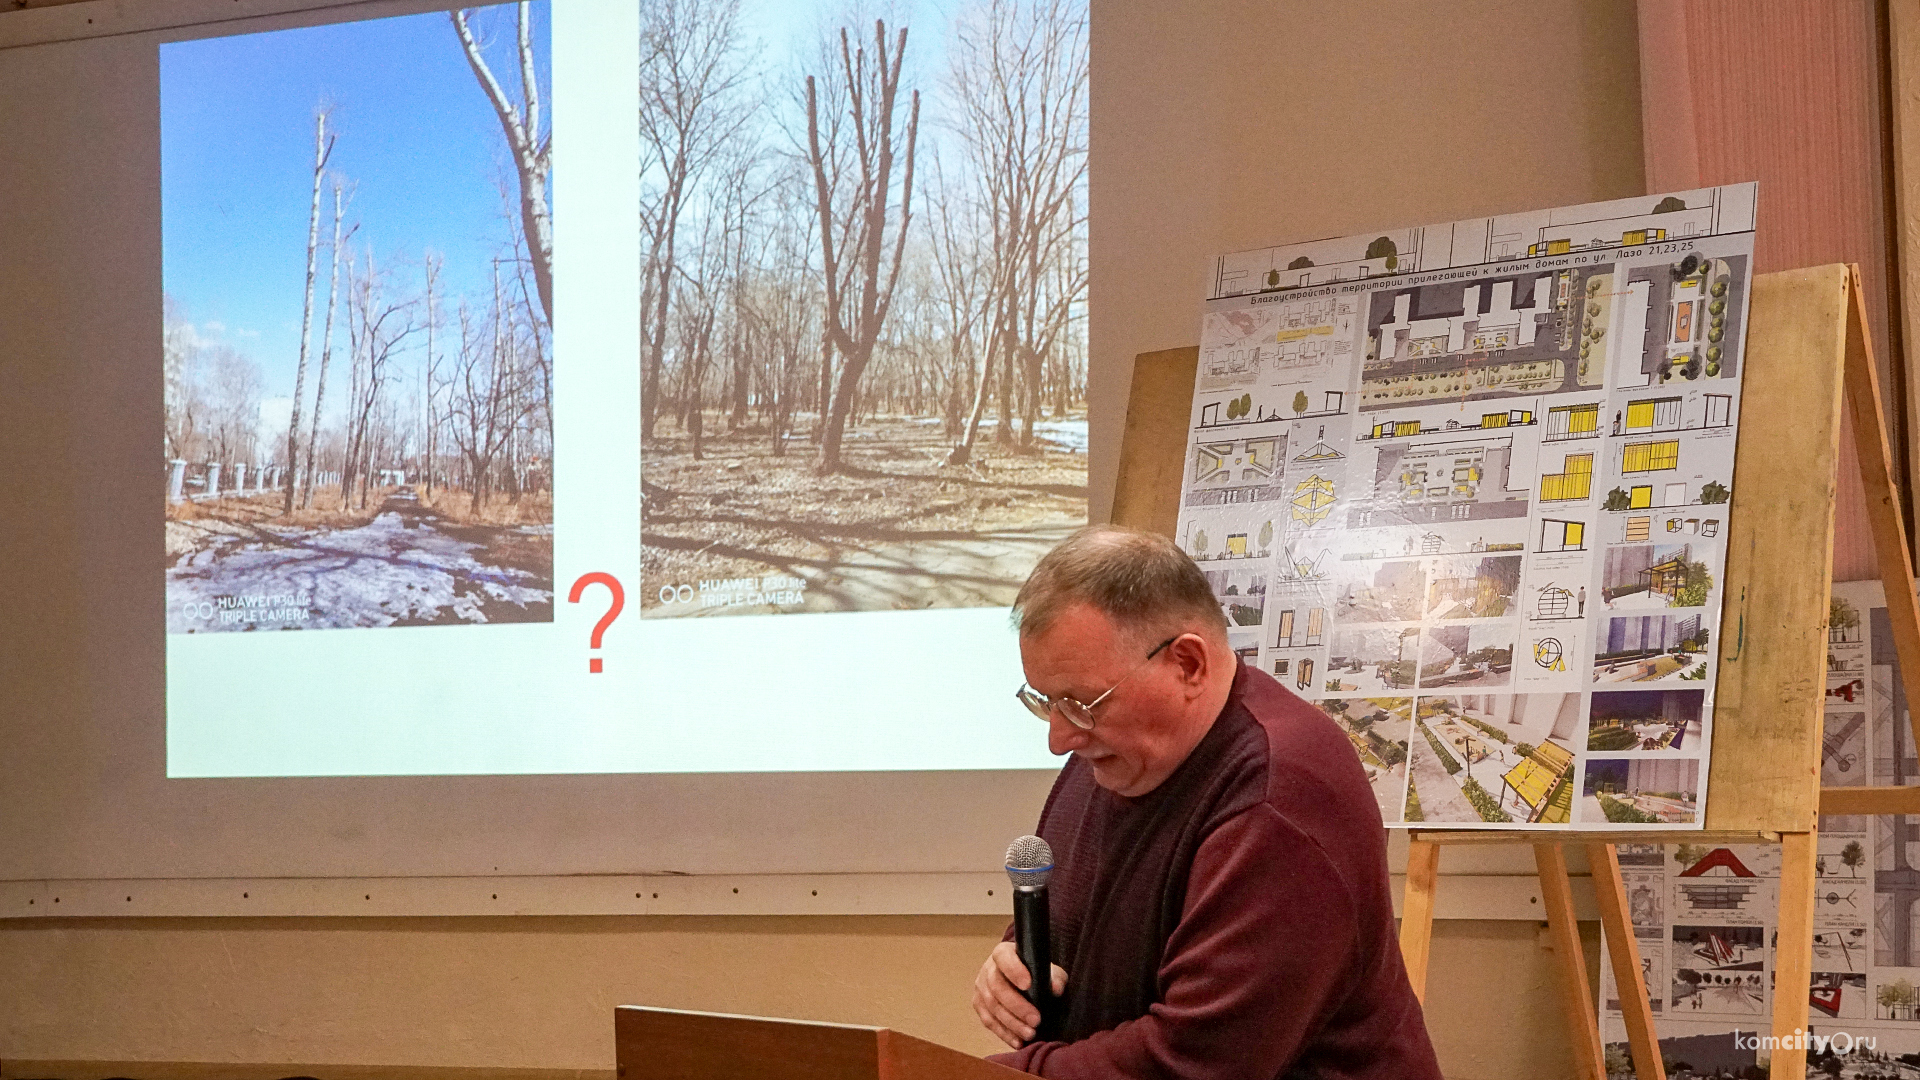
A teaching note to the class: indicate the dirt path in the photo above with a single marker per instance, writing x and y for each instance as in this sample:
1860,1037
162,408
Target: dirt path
407,567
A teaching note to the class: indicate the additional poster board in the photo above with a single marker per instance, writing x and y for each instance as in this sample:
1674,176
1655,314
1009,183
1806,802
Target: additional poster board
1468,487
1704,915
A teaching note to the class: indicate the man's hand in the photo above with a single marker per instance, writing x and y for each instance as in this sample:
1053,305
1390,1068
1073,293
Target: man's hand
997,994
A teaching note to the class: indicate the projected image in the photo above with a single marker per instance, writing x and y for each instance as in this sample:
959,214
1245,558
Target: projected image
358,326
863,325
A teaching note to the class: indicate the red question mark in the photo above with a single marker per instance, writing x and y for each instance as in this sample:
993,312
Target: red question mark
600,628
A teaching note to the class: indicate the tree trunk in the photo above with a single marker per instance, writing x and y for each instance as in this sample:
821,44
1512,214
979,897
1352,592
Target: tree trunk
531,150
781,404
697,376
963,452
1003,431
350,460
427,389
876,87
322,148
326,354
433,421
825,390
837,417
656,345
1030,396
741,378
957,391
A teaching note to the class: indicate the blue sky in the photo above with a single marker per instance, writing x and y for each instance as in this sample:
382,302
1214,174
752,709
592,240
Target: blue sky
417,139
785,35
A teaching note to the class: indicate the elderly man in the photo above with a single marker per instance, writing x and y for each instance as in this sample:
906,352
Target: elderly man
1219,895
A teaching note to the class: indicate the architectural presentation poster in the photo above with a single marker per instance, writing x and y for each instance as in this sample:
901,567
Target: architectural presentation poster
1704,917
1466,486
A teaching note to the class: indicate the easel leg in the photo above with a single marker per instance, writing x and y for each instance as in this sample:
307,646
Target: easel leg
1624,951
1416,912
1576,1000
1793,954
1875,454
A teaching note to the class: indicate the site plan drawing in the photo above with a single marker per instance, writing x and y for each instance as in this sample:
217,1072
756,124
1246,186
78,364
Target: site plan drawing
1466,487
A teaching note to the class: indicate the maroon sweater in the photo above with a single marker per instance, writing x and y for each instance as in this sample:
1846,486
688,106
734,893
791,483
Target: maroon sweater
1236,921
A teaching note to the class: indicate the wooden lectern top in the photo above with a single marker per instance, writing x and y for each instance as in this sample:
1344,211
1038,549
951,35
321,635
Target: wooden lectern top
669,1044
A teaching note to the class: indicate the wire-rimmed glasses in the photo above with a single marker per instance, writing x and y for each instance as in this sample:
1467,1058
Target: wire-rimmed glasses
1077,714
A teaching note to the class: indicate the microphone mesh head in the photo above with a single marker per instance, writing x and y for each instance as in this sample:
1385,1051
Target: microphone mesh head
1029,861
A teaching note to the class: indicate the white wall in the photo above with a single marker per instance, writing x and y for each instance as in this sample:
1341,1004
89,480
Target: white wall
1216,126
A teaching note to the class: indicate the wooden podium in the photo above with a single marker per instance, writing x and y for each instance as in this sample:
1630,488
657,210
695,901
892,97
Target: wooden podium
667,1044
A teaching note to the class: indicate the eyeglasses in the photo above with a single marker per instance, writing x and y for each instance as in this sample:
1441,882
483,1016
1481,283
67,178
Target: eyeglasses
1080,716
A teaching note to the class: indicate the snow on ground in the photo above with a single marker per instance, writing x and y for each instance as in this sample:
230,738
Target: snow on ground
1070,435
394,569
1066,434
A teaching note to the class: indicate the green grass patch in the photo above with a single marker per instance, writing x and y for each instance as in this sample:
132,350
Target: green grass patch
1446,757
1492,732
1619,811
1612,739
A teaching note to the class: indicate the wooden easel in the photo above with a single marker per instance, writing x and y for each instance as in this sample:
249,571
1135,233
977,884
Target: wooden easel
1807,350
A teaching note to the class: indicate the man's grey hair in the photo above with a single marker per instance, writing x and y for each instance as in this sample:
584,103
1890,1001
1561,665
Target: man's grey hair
1140,580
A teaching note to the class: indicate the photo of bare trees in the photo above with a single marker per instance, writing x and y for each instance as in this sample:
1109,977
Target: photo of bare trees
358,327
863,330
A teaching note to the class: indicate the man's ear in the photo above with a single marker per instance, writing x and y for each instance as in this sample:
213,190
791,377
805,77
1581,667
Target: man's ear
1190,654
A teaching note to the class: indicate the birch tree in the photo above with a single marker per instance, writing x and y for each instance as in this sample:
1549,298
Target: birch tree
429,371
528,139
322,150
184,407
326,341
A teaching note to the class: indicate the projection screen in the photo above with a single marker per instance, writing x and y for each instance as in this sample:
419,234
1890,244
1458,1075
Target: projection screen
517,422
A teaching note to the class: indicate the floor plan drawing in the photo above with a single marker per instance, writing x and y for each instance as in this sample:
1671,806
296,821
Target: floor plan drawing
1488,463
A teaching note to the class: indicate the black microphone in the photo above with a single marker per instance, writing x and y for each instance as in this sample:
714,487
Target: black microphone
1029,865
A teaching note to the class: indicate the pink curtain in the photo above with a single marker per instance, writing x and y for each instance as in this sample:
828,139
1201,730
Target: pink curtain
1790,93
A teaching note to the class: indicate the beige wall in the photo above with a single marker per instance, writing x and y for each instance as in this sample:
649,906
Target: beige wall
539,993
1217,126
1220,126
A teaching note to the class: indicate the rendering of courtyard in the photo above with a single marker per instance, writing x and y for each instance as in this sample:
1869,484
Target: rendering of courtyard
1653,648
1649,791
1491,759
1645,721
1378,729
